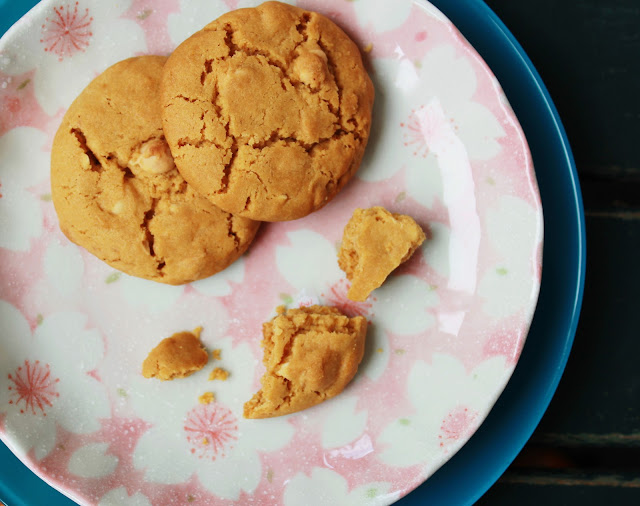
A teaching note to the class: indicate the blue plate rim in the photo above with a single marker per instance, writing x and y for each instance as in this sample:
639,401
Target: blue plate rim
498,47
495,43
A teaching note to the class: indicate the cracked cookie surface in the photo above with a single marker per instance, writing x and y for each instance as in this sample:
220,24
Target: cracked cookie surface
267,111
311,354
118,194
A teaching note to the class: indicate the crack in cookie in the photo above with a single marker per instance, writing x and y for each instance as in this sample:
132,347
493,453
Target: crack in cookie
148,216
94,163
280,80
116,189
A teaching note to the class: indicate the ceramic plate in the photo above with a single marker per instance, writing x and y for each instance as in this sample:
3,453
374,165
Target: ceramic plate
446,329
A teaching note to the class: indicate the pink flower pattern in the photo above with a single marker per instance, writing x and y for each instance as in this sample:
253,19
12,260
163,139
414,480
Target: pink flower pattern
456,425
33,385
413,136
211,429
68,32
418,128
338,298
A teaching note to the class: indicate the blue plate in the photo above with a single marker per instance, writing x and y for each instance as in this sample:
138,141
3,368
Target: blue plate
471,472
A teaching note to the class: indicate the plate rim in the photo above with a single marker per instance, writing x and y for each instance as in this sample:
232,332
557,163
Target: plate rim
499,48
481,8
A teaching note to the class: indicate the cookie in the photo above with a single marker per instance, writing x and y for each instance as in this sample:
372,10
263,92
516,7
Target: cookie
177,356
311,354
267,111
218,374
207,398
374,243
118,194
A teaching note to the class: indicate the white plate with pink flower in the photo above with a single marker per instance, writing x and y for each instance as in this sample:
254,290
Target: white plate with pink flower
446,328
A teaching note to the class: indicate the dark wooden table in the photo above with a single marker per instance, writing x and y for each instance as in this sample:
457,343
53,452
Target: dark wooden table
586,450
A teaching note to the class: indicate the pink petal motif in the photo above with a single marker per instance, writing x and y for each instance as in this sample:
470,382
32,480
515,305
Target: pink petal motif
414,136
19,104
506,343
68,32
337,297
211,430
33,385
458,424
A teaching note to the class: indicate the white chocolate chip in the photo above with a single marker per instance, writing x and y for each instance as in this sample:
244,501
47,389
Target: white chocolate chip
311,68
117,207
154,157
320,53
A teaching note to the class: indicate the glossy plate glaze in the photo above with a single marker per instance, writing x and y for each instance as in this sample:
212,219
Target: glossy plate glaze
447,328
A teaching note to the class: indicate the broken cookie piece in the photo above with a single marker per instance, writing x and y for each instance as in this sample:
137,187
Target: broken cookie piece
177,356
311,354
218,374
374,243
207,398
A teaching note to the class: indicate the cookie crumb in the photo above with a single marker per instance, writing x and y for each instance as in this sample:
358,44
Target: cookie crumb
177,356
215,354
218,374
374,243
311,354
368,48
207,398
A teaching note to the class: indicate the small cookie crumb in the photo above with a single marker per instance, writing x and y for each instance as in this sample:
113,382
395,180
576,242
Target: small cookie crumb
177,356
218,374
374,243
311,354
215,354
207,398
368,48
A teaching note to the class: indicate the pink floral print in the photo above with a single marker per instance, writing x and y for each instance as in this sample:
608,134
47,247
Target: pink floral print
457,424
211,429
67,31
32,387
73,404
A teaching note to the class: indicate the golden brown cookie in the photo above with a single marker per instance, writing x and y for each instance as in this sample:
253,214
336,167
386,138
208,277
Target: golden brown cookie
311,354
374,243
207,398
267,111
118,194
218,374
177,356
